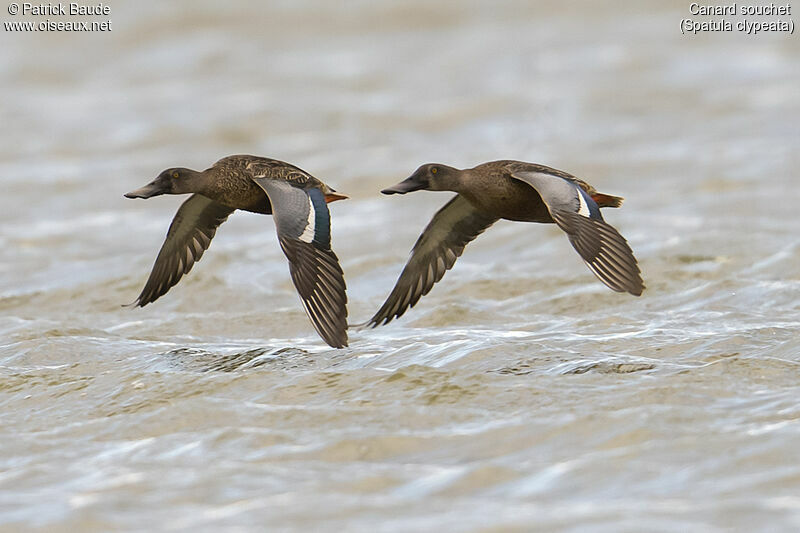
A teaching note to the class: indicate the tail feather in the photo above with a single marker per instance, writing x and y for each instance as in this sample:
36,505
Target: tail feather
607,200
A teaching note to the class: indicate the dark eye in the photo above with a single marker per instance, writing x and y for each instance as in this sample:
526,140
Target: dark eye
175,174
434,170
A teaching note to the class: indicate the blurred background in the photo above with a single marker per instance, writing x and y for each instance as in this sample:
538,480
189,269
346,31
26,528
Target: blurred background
520,394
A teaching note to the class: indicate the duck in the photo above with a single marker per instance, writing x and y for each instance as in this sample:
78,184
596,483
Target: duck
296,200
509,190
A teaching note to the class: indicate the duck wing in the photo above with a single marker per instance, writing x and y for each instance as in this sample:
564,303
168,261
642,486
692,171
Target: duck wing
603,249
435,252
304,233
189,235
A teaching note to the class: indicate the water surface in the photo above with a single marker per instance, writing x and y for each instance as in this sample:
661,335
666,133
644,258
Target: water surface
520,394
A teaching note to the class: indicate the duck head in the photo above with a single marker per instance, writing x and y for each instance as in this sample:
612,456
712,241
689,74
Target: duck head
430,177
171,181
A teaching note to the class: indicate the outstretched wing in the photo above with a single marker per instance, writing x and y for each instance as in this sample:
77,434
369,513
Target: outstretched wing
188,237
304,232
436,251
602,248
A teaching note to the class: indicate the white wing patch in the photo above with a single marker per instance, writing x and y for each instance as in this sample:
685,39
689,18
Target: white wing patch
308,232
583,207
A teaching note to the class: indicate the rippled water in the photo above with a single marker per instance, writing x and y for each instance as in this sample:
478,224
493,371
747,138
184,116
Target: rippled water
520,394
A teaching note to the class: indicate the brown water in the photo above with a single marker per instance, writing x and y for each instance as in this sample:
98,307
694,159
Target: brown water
521,394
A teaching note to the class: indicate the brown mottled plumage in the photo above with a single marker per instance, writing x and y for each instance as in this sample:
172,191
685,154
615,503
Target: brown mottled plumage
511,190
260,185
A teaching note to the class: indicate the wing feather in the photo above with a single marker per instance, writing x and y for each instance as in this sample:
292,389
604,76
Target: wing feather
602,248
435,252
197,218
604,251
302,220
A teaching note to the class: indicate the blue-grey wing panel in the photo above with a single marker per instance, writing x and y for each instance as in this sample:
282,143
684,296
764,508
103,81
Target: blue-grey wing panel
303,223
299,214
560,194
600,245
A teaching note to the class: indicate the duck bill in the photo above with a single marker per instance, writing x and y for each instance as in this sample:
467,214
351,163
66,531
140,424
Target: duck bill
148,191
407,185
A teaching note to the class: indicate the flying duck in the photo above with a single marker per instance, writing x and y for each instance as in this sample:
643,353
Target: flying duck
511,190
297,200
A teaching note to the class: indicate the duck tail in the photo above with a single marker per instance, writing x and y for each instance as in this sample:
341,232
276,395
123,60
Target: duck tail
332,196
607,200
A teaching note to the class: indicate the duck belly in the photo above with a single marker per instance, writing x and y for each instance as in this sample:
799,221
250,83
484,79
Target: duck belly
242,194
513,200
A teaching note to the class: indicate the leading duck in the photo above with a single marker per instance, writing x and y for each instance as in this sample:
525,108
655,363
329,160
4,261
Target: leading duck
296,199
511,190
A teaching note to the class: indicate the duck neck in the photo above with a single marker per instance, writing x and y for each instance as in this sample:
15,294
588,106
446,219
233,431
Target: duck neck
449,179
458,180
200,181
